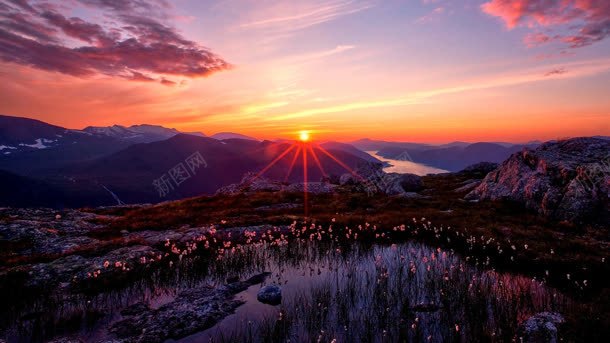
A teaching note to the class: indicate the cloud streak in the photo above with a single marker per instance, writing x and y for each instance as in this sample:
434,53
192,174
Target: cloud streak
295,18
587,21
580,69
137,46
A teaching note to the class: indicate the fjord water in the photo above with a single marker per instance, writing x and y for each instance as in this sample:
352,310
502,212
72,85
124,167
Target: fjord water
406,167
353,292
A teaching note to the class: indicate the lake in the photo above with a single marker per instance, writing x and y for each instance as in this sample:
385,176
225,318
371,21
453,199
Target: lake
405,166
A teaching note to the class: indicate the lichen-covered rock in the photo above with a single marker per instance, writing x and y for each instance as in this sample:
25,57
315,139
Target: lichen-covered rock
565,180
541,327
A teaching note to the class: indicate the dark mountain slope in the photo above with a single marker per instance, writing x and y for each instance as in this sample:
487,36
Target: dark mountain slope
135,173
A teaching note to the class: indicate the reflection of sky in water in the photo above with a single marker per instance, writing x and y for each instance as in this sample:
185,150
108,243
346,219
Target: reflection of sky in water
403,167
368,288
382,280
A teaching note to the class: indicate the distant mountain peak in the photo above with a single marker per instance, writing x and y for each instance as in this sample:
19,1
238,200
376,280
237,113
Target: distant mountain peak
232,135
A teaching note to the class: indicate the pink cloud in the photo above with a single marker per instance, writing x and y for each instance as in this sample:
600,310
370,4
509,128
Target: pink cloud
536,39
138,46
589,20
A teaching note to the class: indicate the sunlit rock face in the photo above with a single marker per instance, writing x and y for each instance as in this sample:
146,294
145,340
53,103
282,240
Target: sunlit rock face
374,179
565,180
368,177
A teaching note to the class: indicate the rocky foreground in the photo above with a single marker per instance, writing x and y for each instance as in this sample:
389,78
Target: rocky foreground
368,177
565,180
69,252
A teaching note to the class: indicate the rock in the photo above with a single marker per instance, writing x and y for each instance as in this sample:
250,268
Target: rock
251,183
333,179
347,179
64,269
368,177
371,178
270,294
37,232
565,180
541,327
468,186
410,182
312,187
192,311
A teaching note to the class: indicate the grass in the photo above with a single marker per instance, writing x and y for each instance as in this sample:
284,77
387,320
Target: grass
483,233
575,248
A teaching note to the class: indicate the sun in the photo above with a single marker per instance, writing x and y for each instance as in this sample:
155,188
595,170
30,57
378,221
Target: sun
304,136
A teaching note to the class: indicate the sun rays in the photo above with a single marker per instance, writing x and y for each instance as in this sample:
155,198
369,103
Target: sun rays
305,149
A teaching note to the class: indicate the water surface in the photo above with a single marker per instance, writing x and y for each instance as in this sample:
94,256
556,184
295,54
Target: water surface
348,292
406,166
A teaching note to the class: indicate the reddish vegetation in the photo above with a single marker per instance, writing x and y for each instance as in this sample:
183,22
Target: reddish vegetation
576,248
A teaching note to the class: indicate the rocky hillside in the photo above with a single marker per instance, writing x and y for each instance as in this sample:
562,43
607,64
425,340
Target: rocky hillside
565,180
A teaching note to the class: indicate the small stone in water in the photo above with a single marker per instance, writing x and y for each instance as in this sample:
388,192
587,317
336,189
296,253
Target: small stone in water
270,294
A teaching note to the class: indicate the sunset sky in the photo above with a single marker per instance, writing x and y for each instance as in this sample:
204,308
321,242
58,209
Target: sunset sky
410,70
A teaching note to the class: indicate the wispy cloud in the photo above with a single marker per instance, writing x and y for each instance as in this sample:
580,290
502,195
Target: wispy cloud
299,15
432,16
556,71
578,69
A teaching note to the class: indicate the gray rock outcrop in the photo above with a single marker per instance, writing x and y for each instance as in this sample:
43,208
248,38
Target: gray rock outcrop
565,180
373,179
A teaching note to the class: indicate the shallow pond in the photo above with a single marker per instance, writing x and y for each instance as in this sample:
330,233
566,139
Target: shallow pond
350,292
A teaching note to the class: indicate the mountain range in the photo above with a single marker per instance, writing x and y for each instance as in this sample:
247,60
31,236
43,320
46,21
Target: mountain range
47,165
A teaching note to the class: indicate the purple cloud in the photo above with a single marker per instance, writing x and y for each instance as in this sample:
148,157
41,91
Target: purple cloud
139,47
556,71
589,20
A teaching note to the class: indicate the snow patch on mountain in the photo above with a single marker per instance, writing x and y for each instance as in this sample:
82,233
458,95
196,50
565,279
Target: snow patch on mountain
39,143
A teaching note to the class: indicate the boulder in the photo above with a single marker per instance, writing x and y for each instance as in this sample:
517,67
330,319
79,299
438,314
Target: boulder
270,294
565,180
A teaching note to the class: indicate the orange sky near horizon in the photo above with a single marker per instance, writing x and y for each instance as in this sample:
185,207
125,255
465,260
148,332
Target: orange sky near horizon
422,71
